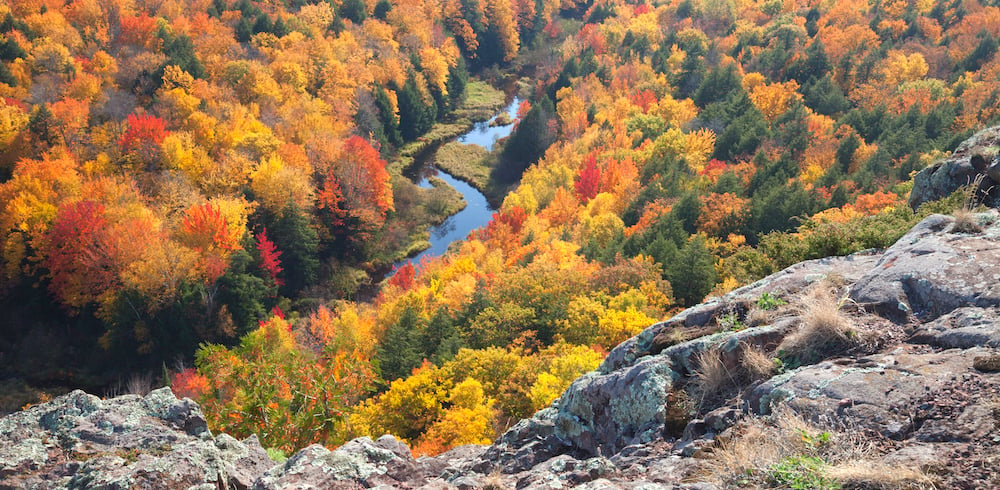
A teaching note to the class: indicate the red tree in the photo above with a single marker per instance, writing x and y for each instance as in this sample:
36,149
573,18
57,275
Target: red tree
143,136
588,180
404,276
269,257
78,255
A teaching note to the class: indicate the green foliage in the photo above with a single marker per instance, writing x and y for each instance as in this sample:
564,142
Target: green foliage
276,455
399,352
299,244
415,116
801,473
769,301
693,275
527,143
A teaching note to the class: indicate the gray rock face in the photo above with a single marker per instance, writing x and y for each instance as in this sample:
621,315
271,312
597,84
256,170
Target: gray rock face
973,158
156,441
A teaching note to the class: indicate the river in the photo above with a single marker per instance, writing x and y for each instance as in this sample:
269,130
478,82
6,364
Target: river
477,211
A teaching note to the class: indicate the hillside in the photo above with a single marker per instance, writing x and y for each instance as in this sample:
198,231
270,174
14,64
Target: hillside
887,379
206,193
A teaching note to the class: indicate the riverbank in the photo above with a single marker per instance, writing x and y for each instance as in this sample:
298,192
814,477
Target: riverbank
481,102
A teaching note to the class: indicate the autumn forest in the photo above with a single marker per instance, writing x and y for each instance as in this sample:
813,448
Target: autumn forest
208,193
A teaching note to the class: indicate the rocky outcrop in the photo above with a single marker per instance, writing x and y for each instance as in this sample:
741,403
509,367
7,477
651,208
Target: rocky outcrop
974,162
156,441
917,376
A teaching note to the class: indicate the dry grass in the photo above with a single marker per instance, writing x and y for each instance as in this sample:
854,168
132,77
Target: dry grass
758,444
494,482
823,328
757,317
756,363
714,380
965,221
877,475
712,377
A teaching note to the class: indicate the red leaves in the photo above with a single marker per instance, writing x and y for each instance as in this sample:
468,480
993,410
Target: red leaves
269,257
206,228
78,255
359,188
143,136
587,180
403,277
643,99
329,199
137,30
504,223
189,384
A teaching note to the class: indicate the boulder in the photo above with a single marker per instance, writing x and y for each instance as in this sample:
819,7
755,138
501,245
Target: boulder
970,163
156,441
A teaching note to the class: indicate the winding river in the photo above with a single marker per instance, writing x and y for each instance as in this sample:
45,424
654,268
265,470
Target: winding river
477,211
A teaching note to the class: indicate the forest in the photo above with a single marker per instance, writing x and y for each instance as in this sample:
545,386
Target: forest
206,193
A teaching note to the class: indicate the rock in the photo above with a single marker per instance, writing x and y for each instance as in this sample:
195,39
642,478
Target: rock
602,413
928,273
156,441
359,462
987,364
962,168
964,327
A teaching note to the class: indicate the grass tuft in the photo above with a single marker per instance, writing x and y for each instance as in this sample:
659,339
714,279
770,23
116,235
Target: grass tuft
966,221
823,329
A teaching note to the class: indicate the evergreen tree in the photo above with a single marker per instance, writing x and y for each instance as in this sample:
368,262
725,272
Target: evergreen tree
41,126
6,76
415,117
299,246
245,294
354,10
382,9
687,211
390,126
440,340
693,275
398,352
262,24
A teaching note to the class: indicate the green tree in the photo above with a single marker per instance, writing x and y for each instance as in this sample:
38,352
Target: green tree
399,352
693,275
299,244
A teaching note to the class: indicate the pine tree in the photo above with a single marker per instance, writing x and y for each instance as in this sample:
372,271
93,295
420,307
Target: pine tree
299,245
693,275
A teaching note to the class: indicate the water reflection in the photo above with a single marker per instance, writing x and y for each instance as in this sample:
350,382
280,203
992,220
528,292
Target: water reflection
477,212
484,135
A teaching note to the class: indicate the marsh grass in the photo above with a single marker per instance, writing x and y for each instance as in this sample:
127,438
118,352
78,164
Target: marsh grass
470,163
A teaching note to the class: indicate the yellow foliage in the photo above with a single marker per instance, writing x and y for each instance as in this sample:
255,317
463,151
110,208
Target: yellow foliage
158,273
435,66
616,326
773,99
752,80
180,152
904,68
699,146
599,219
12,121
276,185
